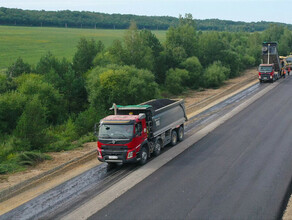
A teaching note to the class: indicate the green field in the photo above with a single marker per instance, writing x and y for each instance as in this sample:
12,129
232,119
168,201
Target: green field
30,43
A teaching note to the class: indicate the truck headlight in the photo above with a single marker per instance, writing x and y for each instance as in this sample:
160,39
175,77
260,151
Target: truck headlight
130,155
99,154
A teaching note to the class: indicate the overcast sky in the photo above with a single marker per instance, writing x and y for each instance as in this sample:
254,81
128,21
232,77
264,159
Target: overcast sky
236,10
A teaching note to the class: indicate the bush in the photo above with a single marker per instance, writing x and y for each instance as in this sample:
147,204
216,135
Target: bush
10,167
11,108
32,123
121,85
85,120
32,158
195,69
215,74
31,85
176,80
18,68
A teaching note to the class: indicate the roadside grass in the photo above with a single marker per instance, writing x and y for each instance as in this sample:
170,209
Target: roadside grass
14,159
31,43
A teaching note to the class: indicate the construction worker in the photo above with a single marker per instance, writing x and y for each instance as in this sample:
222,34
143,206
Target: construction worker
284,72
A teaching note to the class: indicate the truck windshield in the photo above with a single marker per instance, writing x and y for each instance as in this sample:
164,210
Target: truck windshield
112,131
266,69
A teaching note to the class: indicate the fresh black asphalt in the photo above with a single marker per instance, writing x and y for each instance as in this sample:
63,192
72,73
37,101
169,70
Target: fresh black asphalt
241,170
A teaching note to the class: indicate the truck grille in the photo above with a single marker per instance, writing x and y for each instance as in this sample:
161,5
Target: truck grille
115,148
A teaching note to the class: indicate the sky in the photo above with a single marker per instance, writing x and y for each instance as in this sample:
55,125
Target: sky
235,10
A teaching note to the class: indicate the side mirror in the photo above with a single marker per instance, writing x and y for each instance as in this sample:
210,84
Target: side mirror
142,116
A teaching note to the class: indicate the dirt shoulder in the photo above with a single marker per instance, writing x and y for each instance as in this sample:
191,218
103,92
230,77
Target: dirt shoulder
194,100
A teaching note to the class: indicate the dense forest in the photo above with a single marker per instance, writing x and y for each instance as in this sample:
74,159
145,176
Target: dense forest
85,19
54,105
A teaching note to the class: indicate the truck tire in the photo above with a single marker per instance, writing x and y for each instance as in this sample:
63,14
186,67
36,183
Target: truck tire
144,156
181,133
157,148
173,138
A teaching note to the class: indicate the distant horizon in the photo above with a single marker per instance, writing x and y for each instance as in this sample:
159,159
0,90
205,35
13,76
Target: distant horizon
150,15
232,10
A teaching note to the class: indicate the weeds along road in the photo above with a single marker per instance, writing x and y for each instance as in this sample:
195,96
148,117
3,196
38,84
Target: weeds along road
240,170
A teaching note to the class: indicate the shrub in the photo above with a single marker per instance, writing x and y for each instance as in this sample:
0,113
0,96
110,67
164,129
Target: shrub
195,69
121,85
18,68
215,74
32,123
32,158
85,120
11,108
176,80
32,85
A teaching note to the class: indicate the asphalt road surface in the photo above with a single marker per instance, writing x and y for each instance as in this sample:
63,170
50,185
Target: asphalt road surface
68,196
241,170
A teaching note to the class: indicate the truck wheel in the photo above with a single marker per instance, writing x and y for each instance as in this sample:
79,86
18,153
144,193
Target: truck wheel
157,148
181,133
144,156
173,138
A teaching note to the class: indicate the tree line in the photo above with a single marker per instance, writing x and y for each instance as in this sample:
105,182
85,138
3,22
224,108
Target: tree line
85,19
54,105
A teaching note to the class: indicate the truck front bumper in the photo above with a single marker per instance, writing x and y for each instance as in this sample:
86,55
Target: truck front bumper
117,157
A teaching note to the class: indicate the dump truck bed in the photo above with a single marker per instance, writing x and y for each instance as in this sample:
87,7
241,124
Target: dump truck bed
161,114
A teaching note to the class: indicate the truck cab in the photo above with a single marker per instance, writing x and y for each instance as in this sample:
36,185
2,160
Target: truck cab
120,138
267,73
135,132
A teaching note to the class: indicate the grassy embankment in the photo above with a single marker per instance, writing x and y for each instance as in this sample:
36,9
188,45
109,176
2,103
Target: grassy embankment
31,43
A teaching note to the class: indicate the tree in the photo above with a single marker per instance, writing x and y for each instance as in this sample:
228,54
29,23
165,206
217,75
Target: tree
136,49
3,83
176,80
120,84
47,63
195,69
31,85
71,85
181,41
18,68
86,52
154,44
210,48
215,74
285,43
231,60
114,55
32,123
273,33
11,107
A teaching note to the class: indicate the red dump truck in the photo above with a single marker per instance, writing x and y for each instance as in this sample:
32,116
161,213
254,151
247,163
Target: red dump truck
135,132
271,68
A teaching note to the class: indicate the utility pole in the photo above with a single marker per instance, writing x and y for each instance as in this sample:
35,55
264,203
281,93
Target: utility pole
268,53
